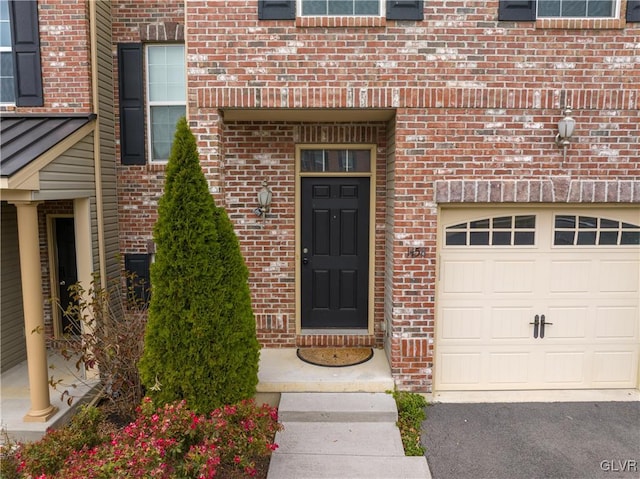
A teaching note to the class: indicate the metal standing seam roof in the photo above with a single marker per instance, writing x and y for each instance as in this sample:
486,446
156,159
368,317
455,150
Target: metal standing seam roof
23,138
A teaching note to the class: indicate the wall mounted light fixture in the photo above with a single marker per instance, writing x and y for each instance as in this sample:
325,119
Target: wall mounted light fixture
566,125
264,200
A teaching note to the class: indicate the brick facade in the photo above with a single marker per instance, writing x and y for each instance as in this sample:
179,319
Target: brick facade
473,105
65,57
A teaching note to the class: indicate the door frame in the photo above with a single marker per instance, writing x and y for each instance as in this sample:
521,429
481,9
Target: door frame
298,232
56,314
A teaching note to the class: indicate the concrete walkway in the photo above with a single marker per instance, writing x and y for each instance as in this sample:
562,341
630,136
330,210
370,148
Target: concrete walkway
341,435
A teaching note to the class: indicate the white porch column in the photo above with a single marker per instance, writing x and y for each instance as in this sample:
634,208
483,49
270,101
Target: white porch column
41,409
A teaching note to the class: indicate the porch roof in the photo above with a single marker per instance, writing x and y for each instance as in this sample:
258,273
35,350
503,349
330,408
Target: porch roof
24,138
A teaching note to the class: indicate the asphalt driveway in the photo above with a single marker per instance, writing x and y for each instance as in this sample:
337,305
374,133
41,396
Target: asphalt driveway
533,440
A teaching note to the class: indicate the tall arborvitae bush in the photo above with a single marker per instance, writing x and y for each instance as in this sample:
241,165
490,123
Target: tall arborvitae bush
200,341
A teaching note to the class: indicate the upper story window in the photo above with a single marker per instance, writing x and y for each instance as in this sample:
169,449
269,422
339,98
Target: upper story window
166,96
341,8
570,13
577,8
349,11
7,90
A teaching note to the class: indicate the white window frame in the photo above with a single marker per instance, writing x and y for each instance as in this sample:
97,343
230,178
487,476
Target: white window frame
381,11
149,103
8,49
615,15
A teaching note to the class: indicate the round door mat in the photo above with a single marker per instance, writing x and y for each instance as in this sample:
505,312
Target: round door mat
335,357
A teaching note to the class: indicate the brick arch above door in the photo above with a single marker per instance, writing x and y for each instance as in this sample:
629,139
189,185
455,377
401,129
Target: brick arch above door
555,190
162,32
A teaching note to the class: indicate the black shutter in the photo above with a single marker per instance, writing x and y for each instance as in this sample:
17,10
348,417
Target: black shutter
132,151
277,9
633,11
140,285
25,49
405,10
517,11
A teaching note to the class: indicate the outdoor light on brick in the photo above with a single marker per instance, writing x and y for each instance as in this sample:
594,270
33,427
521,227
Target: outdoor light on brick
264,200
566,126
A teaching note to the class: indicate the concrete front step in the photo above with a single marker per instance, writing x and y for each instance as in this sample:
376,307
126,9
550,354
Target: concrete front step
282,371
337,407
312,466
340,438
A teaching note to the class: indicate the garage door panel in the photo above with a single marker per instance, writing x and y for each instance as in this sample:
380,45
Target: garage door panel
567,322
564,368
615,368
463,276
509,368
619,277
617,323
511,323
461,323
570,276
460,369
514,276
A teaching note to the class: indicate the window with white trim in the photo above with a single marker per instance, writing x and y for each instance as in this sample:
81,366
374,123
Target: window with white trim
578,8
341,8
166,96
7,90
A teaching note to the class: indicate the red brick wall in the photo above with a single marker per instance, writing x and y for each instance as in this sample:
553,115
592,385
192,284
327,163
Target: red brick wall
476,104
65,57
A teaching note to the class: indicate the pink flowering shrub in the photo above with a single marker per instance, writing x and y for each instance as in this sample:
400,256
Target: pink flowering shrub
242,430
175,442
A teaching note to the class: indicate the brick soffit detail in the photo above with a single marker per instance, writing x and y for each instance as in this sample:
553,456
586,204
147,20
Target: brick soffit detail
413,97
555,190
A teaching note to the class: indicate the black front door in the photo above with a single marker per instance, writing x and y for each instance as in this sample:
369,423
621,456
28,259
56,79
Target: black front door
335,252
67,271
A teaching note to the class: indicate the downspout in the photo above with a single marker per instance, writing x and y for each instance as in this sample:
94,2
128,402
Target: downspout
96,144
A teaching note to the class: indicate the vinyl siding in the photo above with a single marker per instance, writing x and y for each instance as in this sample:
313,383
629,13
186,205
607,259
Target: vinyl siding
70,175
106,127
12,338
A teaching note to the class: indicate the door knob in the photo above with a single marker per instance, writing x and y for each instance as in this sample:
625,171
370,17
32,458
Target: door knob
542,324
62,283
536,323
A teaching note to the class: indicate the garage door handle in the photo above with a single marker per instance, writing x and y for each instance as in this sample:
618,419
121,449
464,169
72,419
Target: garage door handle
535,323
542,323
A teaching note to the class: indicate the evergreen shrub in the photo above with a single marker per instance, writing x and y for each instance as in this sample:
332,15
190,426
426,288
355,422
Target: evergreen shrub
200,342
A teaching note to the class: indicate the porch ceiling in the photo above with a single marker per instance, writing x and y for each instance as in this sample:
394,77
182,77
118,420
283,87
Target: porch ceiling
308,114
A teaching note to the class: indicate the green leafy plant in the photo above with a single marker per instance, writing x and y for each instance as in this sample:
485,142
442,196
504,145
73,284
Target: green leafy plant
200,341
411,414
112,323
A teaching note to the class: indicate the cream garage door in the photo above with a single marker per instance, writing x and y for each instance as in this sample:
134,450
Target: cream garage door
538,299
